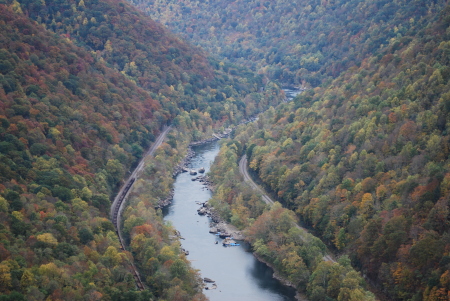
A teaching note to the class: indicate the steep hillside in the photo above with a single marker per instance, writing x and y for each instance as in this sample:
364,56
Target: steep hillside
64,147
75,116
272,231
296,42
176,74
364,161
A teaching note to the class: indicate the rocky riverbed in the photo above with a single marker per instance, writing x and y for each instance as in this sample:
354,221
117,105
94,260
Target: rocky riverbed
230,229
230,267
217,225
165,202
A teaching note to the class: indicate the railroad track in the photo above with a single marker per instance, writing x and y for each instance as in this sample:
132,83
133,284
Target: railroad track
115,220
119,202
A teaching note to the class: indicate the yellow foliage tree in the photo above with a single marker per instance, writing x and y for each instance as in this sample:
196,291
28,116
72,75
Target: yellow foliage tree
16,7
108,46
5,278
113,255
17,215
3,204
47,238
27,279
49,270
166,253
366,205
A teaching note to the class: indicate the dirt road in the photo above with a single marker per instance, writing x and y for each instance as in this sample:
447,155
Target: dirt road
243,170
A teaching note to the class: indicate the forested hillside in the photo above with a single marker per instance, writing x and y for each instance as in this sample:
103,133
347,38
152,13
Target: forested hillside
296,255
63,150
84,90
364,162
296,42
176,74
361,157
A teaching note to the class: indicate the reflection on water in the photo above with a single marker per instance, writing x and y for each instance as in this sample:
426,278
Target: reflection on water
238,275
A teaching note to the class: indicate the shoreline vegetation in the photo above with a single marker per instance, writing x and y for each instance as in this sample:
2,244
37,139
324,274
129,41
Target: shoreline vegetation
299,296
155,248
190,153
218,221
240,236
296,262
214,214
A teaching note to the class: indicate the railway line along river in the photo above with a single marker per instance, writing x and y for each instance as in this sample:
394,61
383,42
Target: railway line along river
236,272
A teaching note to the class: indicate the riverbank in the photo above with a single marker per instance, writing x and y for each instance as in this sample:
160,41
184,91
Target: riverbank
236,272
299,296
179,168
225,227
218,223
214,137
182,166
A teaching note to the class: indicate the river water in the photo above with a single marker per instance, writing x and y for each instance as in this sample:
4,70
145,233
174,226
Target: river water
291,93
238,275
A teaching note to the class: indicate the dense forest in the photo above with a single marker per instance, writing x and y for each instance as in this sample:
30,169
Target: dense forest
360,158
363,162
296,42
85,87
176,74
296,255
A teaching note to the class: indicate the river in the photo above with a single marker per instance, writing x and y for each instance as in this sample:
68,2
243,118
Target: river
291,93
238,275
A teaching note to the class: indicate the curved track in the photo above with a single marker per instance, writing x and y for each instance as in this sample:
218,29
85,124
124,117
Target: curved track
119,201
243,170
